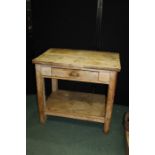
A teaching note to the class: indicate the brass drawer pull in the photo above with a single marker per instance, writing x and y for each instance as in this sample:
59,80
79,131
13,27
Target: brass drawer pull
74,74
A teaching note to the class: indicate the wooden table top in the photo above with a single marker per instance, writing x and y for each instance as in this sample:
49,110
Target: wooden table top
80,59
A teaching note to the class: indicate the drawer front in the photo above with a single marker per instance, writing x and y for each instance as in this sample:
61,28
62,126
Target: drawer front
72,74
46,70
104,76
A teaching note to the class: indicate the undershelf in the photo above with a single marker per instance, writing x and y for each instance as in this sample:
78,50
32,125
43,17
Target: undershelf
76,105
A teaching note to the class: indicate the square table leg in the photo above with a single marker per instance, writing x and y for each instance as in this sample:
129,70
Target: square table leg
110,100
54,85
40,93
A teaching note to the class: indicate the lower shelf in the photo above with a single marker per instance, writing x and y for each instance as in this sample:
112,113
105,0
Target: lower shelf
76,105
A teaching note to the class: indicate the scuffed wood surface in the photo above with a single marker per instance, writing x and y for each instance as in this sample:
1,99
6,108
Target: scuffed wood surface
77,75
54,85
76,105
80,59
110,101
40,93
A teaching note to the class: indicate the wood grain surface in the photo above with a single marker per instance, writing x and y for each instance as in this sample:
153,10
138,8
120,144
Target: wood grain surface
77,105
77,65
80,59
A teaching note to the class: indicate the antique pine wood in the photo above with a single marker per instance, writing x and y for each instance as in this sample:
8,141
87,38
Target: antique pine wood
84,106
77,65
54,86
80,59
40,93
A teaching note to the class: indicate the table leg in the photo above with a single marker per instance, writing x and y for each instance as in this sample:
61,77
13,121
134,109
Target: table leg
40,93
110,100
54,85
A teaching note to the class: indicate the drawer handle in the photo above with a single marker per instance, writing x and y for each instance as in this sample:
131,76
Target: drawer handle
74,74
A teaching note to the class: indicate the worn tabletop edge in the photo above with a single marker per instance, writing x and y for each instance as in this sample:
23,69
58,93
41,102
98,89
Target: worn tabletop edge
36,61
74,67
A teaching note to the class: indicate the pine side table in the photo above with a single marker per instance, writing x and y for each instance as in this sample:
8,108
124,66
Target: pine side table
77,65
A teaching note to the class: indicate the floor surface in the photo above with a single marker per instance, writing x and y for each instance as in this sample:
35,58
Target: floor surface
60,136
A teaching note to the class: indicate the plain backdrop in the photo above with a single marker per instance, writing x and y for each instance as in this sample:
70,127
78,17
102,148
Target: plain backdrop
72,24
